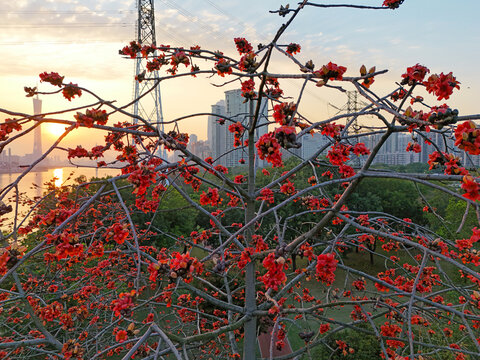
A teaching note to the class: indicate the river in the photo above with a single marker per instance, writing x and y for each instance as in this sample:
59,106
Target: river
32,184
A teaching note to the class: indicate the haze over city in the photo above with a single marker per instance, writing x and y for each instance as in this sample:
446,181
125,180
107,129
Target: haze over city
81,39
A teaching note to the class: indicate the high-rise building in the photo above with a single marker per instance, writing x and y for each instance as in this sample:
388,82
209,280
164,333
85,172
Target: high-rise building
221,140
238,110
37,135
216,132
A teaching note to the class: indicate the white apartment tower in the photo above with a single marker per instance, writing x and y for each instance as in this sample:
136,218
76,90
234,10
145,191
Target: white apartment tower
221,139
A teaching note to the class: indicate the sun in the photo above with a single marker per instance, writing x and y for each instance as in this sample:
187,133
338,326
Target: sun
55,129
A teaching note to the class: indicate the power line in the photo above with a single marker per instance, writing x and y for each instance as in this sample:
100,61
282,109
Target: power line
80,25
59,12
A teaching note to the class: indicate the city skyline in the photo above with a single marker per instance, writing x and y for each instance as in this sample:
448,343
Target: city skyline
85,50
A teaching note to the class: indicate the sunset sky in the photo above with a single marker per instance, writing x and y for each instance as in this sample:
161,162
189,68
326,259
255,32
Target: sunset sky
81,38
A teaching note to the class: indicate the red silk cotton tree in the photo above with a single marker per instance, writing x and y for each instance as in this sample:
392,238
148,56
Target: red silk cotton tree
91,273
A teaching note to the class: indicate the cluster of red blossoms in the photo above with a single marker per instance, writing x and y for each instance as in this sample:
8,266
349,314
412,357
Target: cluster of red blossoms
210,197
53,78
283,113
467,137
248,90
275,276
293,48
124,303
392,4
268,148
330,71
243,46
7,127
91,117
69,91
183,265
237,129
326,266
223,67
414,74
440,85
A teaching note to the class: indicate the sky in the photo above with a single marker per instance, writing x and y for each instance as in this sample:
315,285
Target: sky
81,38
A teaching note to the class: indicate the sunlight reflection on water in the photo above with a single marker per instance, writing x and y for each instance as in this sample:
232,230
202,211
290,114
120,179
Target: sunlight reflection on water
58,175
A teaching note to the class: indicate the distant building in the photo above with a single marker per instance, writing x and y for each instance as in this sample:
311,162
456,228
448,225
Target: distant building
37,141
221,140
216,132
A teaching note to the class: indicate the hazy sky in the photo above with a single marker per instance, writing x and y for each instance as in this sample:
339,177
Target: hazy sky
81,38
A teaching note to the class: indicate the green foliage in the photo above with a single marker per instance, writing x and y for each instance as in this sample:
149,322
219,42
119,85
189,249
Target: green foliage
365,346
393,196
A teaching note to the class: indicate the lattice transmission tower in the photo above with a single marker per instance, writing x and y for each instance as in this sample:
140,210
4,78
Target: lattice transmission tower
353,105
150,106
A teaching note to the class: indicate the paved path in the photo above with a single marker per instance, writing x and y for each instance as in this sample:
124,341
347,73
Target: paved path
264,343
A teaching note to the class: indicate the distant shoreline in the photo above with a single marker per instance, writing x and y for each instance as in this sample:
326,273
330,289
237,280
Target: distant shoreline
20,169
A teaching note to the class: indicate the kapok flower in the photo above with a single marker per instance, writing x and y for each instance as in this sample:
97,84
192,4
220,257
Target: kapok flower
121,336
330,71
414,74
70,90
268,149
293,48
471,188
467,137
275,275
442,85
392,4
243,46
53,78
415,147
326,266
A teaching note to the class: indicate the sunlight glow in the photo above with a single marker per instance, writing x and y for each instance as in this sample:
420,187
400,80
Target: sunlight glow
58,175
55,129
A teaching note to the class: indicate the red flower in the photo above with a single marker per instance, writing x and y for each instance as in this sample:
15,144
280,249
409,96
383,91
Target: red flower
237,129
268,149
239,179
392,4
333,130
267,195
324,328
123,304
391,330
414,74
360,149
91,117
248,90
398,95
293,48
211,197
282,113
70,90
370,80
243,46
415,147
53,78
223,67
275,276
288,188
338,154
471,188
121,336
441,85
467,137
248,62
330,71
326,266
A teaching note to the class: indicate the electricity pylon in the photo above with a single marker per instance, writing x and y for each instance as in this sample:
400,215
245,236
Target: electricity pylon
353,105
150,106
